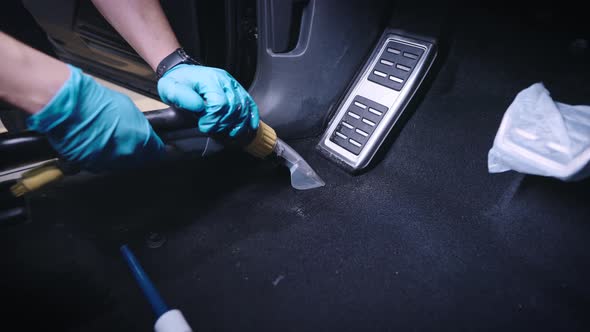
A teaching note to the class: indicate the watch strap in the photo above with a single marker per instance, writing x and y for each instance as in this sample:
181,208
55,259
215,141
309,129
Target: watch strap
179,56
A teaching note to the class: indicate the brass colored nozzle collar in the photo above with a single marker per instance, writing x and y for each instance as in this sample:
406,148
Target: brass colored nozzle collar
264,141
36,178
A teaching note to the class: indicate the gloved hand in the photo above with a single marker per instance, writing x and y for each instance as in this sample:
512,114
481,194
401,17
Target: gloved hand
224,107
96,128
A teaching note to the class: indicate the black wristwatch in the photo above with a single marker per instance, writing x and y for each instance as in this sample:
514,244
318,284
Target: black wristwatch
175,58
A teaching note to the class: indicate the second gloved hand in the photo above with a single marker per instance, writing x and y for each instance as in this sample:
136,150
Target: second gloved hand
224,107
96,128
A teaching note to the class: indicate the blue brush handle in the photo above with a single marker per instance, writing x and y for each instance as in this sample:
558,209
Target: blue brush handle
149,290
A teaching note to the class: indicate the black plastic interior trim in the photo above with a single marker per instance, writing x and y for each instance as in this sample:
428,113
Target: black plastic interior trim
296,90
286,17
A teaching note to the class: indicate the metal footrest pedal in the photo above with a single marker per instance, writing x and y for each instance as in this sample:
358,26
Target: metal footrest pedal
377,98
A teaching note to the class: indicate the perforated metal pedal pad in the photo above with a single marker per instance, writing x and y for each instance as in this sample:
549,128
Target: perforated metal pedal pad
377,98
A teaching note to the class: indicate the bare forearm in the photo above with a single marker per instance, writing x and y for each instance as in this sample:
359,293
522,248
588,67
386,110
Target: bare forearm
28,78
143,24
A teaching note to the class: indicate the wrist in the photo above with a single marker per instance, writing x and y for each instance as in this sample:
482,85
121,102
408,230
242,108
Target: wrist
28,78
156,56
60,106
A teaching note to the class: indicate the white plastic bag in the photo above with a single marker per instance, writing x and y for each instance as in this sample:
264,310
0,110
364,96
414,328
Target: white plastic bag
542,137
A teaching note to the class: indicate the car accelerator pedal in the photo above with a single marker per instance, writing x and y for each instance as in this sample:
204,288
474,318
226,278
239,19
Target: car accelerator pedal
377,98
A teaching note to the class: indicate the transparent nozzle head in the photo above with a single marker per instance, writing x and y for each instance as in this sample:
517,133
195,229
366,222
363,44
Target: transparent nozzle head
303,177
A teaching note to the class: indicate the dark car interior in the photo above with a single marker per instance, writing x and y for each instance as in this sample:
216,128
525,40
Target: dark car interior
410,232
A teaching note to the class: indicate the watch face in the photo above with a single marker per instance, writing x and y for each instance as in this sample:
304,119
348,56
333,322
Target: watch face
183,54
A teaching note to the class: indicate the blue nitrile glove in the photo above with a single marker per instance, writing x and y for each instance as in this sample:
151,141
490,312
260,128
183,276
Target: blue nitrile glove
96,128
224,107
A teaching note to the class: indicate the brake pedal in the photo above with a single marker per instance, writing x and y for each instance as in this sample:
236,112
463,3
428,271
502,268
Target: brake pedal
375,101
